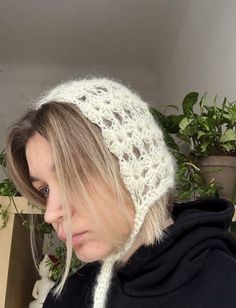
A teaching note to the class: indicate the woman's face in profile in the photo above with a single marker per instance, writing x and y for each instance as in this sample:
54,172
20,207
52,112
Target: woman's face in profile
86,242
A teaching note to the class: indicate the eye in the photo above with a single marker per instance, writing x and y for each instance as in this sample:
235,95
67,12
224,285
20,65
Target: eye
44,191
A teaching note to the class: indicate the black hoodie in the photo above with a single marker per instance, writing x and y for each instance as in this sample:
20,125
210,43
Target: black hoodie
193,267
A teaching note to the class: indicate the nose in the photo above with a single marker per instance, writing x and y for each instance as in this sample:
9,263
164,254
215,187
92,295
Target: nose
54,211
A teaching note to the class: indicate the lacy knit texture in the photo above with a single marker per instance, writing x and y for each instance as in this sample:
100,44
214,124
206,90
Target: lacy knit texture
132,135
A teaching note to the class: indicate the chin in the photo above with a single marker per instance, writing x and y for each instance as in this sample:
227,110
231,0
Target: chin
91,252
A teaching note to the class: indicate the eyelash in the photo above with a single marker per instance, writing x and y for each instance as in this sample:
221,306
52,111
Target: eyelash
41,191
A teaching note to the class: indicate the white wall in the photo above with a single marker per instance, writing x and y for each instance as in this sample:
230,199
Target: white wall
13,101
21,85
205,56
200,52
40,46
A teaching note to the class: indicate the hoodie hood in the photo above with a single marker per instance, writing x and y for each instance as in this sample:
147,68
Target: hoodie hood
199,228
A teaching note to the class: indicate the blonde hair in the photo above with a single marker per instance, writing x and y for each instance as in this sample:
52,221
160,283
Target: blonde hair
81,160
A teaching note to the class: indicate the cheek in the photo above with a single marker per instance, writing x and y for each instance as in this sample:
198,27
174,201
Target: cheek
93,250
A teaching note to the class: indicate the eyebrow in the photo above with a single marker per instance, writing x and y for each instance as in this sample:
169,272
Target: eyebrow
34,179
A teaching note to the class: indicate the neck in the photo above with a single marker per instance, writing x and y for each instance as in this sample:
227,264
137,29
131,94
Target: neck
137,244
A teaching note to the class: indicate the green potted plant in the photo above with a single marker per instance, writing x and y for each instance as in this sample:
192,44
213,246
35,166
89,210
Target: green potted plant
209,131
190,182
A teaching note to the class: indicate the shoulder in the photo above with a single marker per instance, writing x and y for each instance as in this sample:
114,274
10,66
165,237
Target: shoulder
77,289
222,266
219,282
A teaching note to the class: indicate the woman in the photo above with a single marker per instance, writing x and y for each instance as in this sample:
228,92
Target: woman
92,154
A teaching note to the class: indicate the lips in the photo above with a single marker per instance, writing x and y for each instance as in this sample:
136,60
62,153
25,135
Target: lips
76,237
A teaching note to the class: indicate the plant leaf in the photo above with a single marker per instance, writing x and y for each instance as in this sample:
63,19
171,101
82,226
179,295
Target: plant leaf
229,135
184,123
200,134
173,123
3,158
188,103
228,147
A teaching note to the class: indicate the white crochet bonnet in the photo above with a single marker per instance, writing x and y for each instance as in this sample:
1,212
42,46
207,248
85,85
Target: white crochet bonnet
133,136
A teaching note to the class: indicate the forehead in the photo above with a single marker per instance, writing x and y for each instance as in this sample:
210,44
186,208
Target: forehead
38,153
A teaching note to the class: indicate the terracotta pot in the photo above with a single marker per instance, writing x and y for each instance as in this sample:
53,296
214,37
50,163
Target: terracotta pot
223,170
